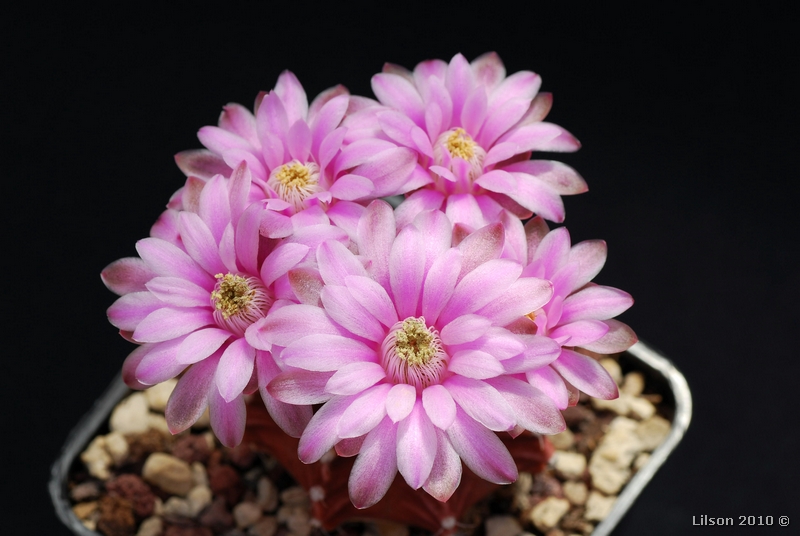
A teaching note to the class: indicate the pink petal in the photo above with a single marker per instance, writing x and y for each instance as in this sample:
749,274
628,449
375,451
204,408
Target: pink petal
200,344
550,383
415,203
560,177
553,251
479,287
489,70
300,387
482,402
375,467
538,352
400,401
178,292
286,325
354,378
128,311
291,418
416,447
446,471
398,93
480,246
324,98
126,275
169,260
214,206
320,434
589,257
460,82
501,119
474,112
336,262
240,184
293,96
523,85
463,208
541,137
322,352
272,118
159,365
439,405
168,323
343,308
130,365
586,374
500,343
200,243
298,141
235,369
540,107
326,121
376,233
465,328
201,163
351,187
306,284
329,147
365,412
219,141
282,259
481,450
523,296
474,364
619,338
534,410
440,284
539,197
579,332
373,298
407,270
189,399
227,418
238,119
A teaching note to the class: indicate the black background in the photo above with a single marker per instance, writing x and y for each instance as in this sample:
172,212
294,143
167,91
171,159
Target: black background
687,115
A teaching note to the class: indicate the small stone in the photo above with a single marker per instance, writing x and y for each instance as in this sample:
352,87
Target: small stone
97,459
168,473
217,517
199,497
652,432
130,415
612,367
569,465
85,510
621,443
522,489
152,526
187,530
563,440
503,526
543,486
133,488
158,423
619,405
225,481
191,449
199,474
177,507
641,408
117,447
598,506
607,476
267,494
640,461
116,517
85,491
547,513
246,514
242,455
158,395
633,384
390,528
144,444
266,526
576,492
295,496
203,422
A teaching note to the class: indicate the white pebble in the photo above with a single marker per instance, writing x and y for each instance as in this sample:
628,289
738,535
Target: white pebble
549,512
598,506
158,395
130,415
246,514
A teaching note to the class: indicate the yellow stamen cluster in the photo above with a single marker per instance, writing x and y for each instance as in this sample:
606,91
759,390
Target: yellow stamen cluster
232,295
294,175
460,144
294,182
413,343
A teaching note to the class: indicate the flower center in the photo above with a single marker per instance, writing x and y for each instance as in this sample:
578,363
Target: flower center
458,152
294,182
412,353
239,301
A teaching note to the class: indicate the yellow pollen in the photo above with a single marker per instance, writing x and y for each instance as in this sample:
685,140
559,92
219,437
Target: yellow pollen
413,343
532,316
232,294
295,176
460,144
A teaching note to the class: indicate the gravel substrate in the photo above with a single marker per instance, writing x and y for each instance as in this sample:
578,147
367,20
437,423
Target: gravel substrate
138,479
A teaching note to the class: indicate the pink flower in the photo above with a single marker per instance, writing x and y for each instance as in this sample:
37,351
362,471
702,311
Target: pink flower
193,306
473,130
298,156
580,314
409,353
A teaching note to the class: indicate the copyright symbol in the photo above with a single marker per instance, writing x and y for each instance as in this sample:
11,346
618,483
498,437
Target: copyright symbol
783,521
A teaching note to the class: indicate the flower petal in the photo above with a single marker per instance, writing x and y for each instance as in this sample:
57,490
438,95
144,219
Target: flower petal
400,401
375,467
126,275
189,399
481,450
586,374
534,410
168,323
439,405
446,471
416,447
235,369
324,352
354,378
200,344
481,402
320,434
227,418
365,412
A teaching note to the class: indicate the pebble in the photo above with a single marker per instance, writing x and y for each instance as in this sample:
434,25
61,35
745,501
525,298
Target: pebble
199,474
85,510
297,519
549,512
97,459
612,367
116,517
132,488
158,422
246,514
295,496
131,415
177,506
267,494
199,497
203,422
503,525
641,460
168,473
266,526
640,408
598,506
570,465
576,492
85,491
217,516
152,526
633,384
607,476
652,432
563,440
117,447
158,395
